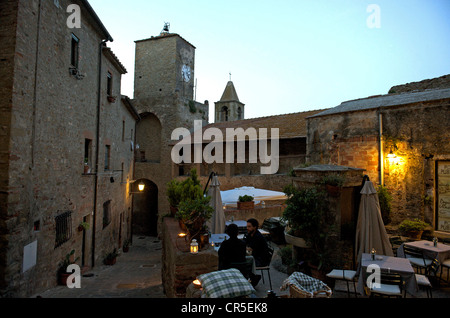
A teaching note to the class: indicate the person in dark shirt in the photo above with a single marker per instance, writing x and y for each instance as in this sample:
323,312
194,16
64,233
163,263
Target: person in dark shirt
257,244
232,250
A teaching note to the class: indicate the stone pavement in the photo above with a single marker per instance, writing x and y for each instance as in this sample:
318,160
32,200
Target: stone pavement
137,274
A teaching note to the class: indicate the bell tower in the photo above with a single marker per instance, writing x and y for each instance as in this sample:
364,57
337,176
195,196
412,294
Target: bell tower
229,108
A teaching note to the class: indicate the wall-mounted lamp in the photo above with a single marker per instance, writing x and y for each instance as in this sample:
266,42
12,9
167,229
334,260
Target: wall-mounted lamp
141,187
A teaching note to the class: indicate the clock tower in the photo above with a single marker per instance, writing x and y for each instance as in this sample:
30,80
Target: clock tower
164,66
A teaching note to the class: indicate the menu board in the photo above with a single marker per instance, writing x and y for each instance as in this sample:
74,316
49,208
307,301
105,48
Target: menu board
443,204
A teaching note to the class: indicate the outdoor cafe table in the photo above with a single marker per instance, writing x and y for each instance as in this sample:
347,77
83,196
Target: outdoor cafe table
387,264
441,252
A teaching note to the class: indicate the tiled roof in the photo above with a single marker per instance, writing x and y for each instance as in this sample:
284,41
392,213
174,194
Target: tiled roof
387,101
290,125
114,59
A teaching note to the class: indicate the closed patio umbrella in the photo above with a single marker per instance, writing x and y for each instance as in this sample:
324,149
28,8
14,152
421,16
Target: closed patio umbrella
370,230
217,222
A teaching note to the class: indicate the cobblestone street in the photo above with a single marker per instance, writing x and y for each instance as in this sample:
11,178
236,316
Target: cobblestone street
136,274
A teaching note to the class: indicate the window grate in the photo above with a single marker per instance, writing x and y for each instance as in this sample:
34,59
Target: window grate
63,228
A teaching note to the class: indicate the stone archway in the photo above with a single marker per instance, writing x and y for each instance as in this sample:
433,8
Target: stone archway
145,209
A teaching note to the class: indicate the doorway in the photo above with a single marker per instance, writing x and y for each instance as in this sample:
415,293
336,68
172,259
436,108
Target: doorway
145,210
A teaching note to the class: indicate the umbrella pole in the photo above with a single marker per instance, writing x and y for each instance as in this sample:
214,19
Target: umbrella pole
212,174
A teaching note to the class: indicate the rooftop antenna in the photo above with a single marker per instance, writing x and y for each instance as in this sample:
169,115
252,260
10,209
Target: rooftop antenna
166,28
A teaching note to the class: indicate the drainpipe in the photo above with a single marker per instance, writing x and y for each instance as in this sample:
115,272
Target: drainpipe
380,148
97,144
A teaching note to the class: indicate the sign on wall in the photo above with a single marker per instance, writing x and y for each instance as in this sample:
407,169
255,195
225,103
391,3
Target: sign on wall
443,196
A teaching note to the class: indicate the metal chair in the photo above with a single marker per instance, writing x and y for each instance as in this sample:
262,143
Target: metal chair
266,268
391,285
446,264
423,280
344,275
417,258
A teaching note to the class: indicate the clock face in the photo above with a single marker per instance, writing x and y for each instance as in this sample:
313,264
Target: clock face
186,73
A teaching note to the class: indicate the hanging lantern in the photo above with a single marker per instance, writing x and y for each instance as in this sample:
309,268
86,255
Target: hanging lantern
141,186
194,247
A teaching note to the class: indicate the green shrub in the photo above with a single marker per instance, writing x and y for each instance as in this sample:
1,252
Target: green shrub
245,198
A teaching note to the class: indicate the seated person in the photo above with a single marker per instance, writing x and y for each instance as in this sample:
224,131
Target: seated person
232,250
257,244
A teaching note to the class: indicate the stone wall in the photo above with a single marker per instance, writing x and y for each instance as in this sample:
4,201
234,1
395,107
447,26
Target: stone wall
257,213
348,139
419,136
52,113
433,83
179,266
416,133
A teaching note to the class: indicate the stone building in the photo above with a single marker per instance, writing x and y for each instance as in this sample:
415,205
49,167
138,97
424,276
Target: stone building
402,141
164,98
60,109
292,130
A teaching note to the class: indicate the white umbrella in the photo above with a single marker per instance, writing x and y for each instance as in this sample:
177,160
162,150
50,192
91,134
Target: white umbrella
216,223
230,197
370,230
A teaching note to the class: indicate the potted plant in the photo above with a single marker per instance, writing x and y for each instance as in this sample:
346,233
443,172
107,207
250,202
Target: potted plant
307,216
178,191
111,99
126,246
83,226
110,258
62,270
194,214
413,228
333,184
245,202
87,169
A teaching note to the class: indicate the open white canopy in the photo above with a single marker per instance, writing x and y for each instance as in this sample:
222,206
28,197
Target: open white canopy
230,197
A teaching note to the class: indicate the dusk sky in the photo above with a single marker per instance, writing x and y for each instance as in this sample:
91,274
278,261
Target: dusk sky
290,56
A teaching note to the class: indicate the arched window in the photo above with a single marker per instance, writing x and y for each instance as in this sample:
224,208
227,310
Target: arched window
239,113
224,113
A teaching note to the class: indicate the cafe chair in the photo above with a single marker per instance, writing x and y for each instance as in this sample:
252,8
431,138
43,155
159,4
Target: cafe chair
391,285
417,258
267,268
446,264
344,275
423,281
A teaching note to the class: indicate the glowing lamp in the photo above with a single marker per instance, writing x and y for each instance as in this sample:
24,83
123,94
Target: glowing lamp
391,155
197,283
141,186
181,234
194,247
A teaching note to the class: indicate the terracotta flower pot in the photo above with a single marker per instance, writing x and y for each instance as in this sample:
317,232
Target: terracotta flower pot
246,205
